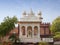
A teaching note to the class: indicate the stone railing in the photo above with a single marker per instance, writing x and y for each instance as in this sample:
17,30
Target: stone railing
47,39
33,40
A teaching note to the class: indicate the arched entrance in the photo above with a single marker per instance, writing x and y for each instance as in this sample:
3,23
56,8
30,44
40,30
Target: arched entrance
35,31
29,31
23,30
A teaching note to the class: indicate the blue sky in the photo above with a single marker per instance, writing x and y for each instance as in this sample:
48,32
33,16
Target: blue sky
50,8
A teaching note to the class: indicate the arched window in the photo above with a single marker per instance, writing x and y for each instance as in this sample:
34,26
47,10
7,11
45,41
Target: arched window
35,30
29,31
23,30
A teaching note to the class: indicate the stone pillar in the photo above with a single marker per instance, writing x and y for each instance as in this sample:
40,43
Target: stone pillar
20,34
33,31
26,31
38,32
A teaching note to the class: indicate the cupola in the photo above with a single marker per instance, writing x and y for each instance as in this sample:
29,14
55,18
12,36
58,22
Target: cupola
40,15
24,13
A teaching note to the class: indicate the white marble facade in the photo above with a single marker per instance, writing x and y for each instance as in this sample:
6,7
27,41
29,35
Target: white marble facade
31,26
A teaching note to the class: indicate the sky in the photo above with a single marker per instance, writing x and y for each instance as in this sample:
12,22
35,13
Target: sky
50,8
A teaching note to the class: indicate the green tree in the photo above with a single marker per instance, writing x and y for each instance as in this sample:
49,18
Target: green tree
14,38
55,27
7,25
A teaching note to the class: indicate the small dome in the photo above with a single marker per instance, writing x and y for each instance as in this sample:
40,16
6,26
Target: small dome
39,13
24,13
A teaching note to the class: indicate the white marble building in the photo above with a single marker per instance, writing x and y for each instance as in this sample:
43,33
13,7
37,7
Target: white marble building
29,28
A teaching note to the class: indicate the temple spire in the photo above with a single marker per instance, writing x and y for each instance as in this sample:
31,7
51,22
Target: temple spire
31,12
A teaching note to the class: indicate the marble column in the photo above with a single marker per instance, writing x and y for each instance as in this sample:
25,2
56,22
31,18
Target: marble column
20,34
26,31
38,32
33,31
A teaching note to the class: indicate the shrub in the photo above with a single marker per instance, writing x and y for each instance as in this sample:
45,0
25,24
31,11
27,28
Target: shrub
43,43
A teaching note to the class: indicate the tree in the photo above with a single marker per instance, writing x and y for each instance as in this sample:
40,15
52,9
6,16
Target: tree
55,27
13,38
7,25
